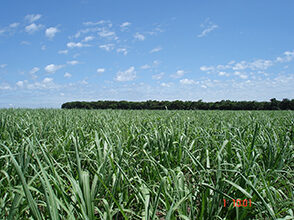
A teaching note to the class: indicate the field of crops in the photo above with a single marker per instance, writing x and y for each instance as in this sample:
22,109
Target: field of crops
116,164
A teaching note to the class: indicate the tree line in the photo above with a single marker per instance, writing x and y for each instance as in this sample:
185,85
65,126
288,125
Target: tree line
273,104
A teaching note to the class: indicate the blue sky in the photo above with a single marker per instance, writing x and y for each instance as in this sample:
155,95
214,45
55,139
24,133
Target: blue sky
52,52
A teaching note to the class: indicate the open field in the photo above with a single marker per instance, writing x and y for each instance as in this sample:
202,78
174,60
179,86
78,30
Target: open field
115,164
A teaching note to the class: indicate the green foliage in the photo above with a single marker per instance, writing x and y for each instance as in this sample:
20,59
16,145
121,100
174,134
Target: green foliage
115,164
274,104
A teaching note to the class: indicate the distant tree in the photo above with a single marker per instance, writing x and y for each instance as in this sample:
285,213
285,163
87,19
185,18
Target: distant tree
274,104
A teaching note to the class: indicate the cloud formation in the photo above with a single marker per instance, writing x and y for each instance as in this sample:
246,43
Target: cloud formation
32,17
50,32
52,68
139,36
33,28
127,75
208,27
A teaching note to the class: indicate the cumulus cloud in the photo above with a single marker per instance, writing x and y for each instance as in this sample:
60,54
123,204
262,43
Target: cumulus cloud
187,82
52,68
33,28
3,65
14,25
34,70
288,56
208,27
178,74
166,84
105,33
32,17
24,42
125,24
91,23
47,80
243,68
222,73
146,66
88,38
241,75
5,86
84,82
156,49
72,62
100,70
158,76
73,45
19,83
50,32
107,47
124,51
139,36
67,75
63,51
207,68
127,75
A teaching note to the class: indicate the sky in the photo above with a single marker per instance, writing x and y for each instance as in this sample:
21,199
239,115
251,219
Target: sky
53,52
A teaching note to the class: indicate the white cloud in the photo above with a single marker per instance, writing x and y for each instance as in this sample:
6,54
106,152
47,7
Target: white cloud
47,80
222,73
84,82
240,66
156,62
33,17
288,56
50,32
207,68
158,76
166,84
146,66
19,83
107,47
243,76
139,36
14,25
24,42
107,34
208,27
5,86
3,66
156,49
127,75
33,28
72,62
187,82
67,75
122,50
43,47
88,38
34,70
125,24
90,23
100,70
261,64
63,51
52,68
178,74
73,45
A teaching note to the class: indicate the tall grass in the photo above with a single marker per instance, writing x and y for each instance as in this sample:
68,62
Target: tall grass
112,164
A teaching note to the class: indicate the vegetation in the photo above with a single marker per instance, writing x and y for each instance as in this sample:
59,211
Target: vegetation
274,104
114,164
